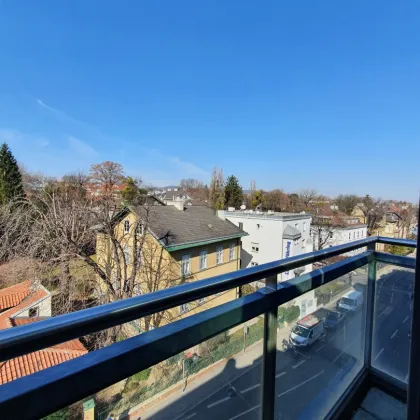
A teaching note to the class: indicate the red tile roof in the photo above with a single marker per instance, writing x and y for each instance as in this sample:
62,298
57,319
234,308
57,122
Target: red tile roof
13,295
38,360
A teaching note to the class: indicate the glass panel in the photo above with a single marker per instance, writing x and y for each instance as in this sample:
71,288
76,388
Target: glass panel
320,345
392,320
219,378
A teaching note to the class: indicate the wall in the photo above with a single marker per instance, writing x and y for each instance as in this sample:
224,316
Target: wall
44,308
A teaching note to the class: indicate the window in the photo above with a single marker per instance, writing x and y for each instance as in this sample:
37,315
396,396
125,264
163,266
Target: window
127,255
140,229
296,242
231,251
33,312
258,225
255,247
201,301
184,308
185,265
304,226
354,235
126,226
219,255
297,226
358,233
349,236
254,264
303,243
240,225
203,260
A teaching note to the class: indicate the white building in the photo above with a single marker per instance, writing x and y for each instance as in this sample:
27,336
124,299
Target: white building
349,230
274,236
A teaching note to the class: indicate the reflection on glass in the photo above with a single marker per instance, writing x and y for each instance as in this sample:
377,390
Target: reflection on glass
392,320
320,347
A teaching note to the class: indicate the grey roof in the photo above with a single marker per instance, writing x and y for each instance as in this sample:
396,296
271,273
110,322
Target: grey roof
291,233
194,224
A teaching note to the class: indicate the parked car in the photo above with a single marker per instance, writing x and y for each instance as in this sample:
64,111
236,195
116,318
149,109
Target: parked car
307,331
351,302
334,319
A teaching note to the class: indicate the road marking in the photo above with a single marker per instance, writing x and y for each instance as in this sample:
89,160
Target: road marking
280,374
338,357
331,339
380,352
219,402
393,335
245,412
298,364
382,312
320,348
190,416
302,383
250,388
405,319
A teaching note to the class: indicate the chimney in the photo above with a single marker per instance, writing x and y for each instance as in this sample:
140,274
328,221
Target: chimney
180,205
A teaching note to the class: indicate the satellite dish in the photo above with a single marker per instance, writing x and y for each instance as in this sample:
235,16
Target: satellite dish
243,207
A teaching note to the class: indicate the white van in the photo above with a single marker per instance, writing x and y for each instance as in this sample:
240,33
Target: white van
351,302
307,331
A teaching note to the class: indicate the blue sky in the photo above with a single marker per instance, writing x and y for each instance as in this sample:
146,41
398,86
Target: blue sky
295,95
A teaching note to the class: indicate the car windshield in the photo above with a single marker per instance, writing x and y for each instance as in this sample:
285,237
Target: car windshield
332,316
301,331
347,301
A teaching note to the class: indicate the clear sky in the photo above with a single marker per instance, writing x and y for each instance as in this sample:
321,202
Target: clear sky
294,94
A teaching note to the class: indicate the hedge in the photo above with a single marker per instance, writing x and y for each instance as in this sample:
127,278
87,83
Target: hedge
288,314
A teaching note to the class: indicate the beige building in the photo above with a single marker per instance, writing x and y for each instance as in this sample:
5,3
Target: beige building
167,245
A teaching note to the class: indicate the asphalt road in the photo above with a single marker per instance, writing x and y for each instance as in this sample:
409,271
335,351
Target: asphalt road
308,387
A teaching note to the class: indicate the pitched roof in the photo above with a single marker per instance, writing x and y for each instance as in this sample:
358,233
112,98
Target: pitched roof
291,232
38,360
194,224
34,362
13,295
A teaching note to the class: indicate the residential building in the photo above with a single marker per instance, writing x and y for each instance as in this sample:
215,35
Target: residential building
180,243
22,304
337,229
273,236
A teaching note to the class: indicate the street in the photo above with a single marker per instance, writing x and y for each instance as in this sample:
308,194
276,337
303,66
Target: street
308,386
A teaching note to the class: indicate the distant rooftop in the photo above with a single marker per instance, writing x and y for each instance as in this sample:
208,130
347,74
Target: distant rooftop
258,214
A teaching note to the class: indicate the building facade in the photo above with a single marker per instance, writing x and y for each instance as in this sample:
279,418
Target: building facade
273,236
347,229
179,244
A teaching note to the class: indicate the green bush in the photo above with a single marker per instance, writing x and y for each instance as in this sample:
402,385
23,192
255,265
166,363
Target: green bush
288,314
142,376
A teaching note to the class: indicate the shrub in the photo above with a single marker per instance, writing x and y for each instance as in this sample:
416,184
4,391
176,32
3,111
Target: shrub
142,376
291,313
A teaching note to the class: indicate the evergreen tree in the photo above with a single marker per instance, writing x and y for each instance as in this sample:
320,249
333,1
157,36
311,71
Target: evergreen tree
10,176
132,193
233,193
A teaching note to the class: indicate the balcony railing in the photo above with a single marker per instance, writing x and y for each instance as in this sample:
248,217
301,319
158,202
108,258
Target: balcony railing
49,390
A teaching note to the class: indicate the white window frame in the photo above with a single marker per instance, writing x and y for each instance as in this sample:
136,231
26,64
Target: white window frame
126,226
304,226
232,246
255,247
203,260
185,265
34,308
297,226
140,229
184,308
303,243
219,255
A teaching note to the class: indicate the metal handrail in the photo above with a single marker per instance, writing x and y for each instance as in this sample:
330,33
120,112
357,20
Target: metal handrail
95,371
70,381
36,336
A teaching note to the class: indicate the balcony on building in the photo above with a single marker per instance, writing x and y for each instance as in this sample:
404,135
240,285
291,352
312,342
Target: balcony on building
354,354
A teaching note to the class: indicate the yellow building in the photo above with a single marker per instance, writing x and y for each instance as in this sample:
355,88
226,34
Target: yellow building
161,246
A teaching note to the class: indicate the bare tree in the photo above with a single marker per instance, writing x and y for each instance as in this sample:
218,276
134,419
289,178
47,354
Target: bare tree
108,175
306,197
77,179
276,200
347,202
